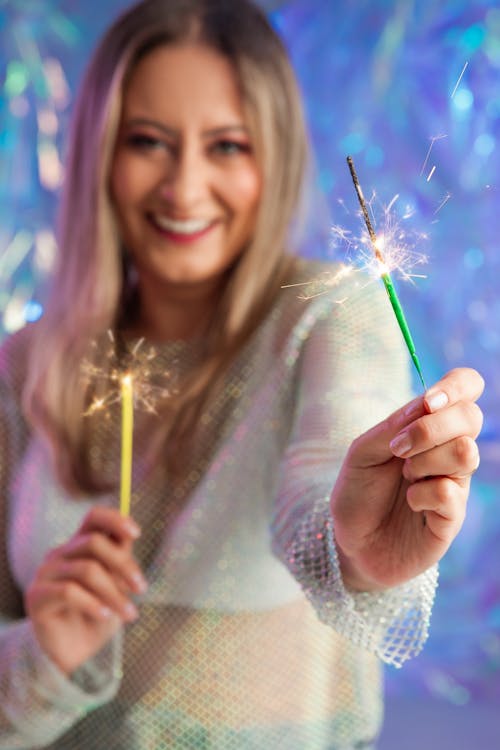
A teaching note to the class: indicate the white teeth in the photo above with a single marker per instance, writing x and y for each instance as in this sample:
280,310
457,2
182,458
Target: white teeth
190,226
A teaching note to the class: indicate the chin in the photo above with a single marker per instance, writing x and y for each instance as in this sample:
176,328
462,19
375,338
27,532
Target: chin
193,277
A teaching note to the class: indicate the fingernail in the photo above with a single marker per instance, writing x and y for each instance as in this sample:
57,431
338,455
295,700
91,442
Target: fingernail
140,582
436,400
130,611
132,528
401,444
105,613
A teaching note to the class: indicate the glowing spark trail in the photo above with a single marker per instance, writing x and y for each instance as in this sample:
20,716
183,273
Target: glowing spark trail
433,141
459,79
443,202
431,173
152,384
317,287
386,278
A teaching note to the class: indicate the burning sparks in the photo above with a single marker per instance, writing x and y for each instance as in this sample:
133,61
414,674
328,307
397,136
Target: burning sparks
151,382
317,287
394,241
395,245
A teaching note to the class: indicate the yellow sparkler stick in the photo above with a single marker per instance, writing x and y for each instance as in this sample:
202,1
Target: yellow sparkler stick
127,401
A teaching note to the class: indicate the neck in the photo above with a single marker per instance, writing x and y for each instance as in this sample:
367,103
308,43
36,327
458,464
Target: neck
174,312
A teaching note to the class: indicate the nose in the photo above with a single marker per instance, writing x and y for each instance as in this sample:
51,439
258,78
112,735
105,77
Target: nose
186,180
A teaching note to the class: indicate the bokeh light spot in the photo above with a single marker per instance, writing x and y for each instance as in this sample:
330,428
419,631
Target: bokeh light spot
484,144
473,37
463,100
45,250
14,317
33,311
473,258
352,143
49,165
490,340
48,123
17,79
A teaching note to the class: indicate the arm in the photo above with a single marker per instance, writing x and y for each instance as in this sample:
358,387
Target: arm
352,370
38,701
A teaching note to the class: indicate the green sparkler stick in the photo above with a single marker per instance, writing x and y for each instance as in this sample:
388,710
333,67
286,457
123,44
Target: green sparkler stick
386,277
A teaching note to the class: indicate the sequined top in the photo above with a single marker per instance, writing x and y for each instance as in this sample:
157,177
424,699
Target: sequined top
247,637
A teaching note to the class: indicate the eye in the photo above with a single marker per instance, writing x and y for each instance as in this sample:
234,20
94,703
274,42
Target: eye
228,147
143,141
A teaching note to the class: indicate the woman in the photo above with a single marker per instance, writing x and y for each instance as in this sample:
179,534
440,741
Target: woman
228,613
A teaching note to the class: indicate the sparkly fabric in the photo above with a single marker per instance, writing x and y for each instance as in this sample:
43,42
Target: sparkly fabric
247,638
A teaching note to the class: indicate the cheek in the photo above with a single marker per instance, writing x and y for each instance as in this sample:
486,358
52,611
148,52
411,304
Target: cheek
244,191
128,182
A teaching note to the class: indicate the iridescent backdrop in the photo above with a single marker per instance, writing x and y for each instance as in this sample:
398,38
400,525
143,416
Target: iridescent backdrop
412,91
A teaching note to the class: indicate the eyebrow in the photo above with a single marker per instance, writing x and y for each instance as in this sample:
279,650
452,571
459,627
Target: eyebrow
171,132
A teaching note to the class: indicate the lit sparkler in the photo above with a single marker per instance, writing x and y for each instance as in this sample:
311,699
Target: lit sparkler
384,273
133,379
397,242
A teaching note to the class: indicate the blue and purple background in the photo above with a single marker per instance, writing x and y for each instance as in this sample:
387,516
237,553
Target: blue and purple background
379,79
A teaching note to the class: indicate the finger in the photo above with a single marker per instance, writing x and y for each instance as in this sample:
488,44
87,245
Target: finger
457,458
372,448
431,430
460,384
110,521
444,502
50,596
95,580
116,559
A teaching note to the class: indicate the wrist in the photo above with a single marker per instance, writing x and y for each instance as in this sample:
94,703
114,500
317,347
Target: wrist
353,576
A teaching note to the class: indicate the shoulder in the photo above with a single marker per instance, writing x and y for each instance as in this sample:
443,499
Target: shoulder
341,328
313,286
321,288
306,297
335,305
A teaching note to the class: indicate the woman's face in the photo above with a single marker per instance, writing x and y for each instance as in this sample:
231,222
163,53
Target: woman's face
184,182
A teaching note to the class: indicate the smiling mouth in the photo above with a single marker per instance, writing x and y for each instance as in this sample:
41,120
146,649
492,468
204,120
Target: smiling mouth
184,230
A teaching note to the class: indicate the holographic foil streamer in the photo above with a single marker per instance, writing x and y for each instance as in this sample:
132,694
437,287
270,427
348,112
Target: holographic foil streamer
378,79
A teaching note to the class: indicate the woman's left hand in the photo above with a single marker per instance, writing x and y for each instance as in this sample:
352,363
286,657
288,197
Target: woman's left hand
401,494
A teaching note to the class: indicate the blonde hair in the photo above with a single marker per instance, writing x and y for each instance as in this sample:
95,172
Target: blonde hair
89,287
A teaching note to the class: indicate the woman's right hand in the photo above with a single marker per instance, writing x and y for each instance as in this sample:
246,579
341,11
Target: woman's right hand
80,595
